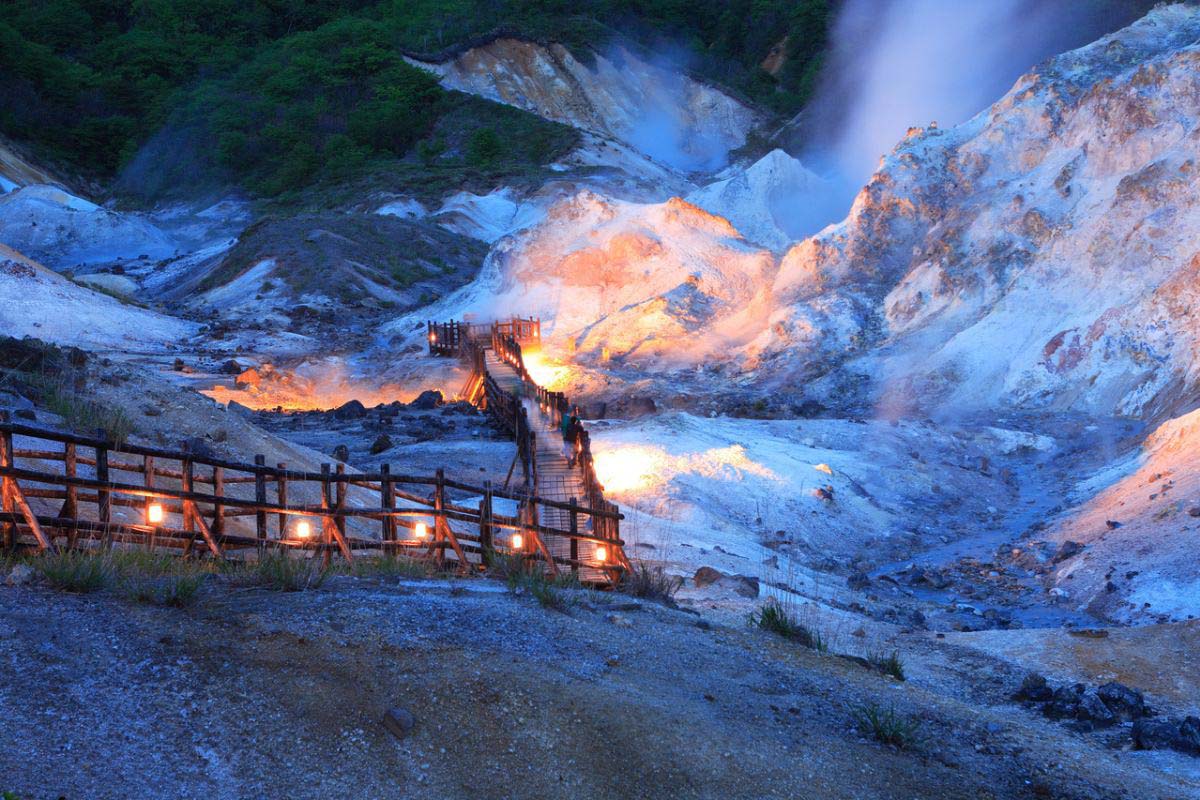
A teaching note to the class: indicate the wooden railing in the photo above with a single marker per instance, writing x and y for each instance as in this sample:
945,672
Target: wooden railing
91,490
508,412
452,338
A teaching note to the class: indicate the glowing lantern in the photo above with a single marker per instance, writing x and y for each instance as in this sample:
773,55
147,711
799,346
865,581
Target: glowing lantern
303,529
421,530
154,513
433,337
518,541
601,554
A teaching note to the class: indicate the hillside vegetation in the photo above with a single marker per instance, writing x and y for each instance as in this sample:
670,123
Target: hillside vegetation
293,92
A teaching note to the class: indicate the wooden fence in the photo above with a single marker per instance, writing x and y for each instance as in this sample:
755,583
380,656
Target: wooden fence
59,489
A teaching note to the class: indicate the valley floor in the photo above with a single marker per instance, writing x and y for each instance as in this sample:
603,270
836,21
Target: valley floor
253,693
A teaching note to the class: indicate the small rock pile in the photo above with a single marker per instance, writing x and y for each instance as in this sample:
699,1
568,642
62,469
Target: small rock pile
1094,708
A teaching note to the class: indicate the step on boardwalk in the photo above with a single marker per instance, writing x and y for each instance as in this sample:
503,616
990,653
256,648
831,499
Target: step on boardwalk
63,490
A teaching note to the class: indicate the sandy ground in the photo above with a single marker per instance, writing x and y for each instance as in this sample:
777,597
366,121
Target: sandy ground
260,694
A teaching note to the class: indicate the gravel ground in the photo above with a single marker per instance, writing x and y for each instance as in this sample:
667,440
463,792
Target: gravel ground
251,693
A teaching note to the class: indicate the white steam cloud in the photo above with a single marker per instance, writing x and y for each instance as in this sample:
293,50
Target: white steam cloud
895,64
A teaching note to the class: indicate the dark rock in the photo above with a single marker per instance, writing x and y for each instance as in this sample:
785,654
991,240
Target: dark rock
1156,733
198,447
1189,735
399,722
341,452
1034,688
239,409
1112,524
1066,550
25,413
1065,702
350,410
381,443
858,580
427,400
1092,709
1124,702
231,367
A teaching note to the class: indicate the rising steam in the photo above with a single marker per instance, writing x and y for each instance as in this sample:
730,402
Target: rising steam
895,64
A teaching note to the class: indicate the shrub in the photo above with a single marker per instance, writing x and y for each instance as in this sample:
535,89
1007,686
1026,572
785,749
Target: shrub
76,570
886,726
650,583
773,617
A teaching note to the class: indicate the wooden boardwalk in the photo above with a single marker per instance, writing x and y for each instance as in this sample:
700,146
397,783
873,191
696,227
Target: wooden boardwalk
534,415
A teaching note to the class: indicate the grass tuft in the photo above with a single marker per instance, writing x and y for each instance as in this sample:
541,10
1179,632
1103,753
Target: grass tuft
650,583
76,570
282,573
389,566
773,617
80,413
886,726
888,663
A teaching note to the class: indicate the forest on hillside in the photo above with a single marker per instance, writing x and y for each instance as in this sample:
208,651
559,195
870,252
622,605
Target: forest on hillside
279,94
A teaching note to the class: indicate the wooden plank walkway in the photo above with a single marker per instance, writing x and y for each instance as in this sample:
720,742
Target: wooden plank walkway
556,478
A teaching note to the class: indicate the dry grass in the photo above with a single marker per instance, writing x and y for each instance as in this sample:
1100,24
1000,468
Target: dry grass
773,616
650,583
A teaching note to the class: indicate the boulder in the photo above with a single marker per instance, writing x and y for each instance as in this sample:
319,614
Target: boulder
1122,701
706,576
382,442
231,367
341,453
428,399
1092,709
350,410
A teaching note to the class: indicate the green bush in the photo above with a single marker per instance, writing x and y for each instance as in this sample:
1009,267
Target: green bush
650,583
888,663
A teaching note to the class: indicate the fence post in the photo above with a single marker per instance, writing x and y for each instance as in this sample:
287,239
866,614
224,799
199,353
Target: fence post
486,542
186,483
103,495
260,497
387,499
218,526
574,528
70,508
339,521
281,490
7,505
326,502
439,505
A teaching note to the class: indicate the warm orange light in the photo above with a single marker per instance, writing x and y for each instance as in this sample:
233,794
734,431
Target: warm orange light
154,513
518,541
625,469
421,530
601,554
303,529
544,372
433,337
